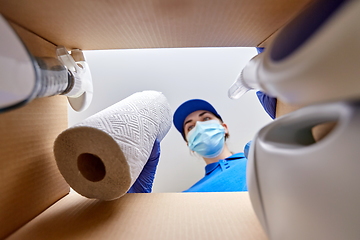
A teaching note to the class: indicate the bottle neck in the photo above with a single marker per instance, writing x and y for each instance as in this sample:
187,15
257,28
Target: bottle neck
53,77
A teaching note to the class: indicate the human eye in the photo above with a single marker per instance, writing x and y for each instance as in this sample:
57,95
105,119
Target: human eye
206,118
190,127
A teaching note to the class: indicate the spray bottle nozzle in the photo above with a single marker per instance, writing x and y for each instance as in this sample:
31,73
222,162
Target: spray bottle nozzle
247,79
238,88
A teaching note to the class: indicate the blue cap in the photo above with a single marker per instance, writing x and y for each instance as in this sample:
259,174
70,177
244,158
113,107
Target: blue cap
188,107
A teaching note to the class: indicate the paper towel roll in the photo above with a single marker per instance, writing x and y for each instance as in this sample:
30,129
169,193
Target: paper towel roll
102,156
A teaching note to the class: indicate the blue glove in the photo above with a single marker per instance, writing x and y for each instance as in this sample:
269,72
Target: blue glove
260,49
268,103
144,182
246,149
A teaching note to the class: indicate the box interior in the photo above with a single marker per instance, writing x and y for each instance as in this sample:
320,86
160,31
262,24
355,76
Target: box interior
30,182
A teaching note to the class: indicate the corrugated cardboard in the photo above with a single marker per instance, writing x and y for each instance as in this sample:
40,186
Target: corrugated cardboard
29,179
284,108
148,216
117,24
268,40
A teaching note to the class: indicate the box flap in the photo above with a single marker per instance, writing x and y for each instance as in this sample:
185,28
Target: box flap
148,216
152,23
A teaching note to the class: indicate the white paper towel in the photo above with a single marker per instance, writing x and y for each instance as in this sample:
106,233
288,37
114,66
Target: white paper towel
102,156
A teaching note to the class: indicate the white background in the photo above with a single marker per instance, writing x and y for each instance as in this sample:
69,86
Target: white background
180,74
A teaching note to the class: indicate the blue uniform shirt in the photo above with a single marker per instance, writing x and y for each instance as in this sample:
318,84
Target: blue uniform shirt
228,175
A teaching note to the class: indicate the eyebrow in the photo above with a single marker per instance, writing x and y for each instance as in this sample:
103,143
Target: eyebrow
191,119
202,114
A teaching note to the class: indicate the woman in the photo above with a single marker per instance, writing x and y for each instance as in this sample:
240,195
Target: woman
205,133
214,179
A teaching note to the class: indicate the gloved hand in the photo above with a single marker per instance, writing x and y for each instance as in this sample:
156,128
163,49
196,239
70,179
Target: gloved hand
268,103
144,182
246,149
260,49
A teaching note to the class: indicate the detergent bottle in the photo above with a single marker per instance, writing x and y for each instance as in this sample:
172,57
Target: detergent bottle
306,189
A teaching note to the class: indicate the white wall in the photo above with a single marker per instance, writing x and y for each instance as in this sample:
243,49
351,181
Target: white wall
180,74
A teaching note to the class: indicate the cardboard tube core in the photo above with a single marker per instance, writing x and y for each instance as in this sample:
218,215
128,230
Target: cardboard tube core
91,167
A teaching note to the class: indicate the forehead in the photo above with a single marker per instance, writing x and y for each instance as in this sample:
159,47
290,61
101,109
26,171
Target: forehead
195,114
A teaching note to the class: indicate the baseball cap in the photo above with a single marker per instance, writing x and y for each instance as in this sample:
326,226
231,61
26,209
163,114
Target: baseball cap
188,107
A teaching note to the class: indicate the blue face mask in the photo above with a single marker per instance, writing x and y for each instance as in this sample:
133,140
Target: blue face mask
207,138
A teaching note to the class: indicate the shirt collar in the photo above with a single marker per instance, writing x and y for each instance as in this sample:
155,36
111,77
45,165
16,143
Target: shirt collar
211,167
236,156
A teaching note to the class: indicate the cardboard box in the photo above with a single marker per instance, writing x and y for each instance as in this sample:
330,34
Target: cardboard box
29,179
147,216
120,24
34,201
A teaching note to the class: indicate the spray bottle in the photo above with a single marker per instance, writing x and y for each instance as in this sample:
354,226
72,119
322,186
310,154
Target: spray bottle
24,77
314,58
